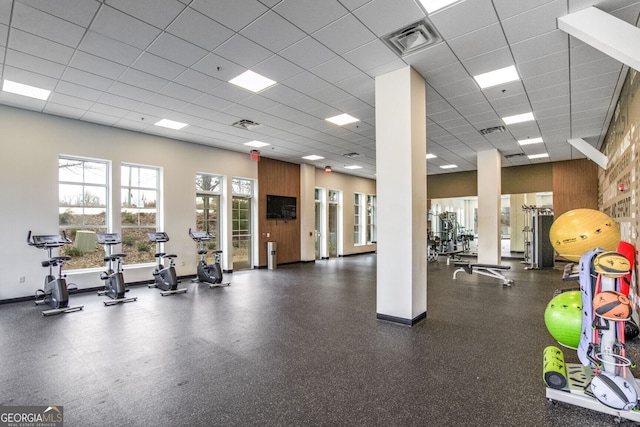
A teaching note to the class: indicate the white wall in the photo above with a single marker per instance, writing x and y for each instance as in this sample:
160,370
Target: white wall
31,143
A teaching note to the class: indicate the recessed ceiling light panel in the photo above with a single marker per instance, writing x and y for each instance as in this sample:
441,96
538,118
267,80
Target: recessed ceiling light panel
170,124
448,166
497,77
518,118
432,5
252,81
431,156
342,119
256,144
353,167
538,156
529,141
313,157
25,90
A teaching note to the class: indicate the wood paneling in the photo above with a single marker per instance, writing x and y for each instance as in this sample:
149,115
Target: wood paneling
280,179
575,185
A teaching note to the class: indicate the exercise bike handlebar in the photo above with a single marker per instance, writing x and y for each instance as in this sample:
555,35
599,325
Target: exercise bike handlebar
48,240
200,236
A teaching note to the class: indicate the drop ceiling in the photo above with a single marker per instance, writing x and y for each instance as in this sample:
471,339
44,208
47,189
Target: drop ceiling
128,64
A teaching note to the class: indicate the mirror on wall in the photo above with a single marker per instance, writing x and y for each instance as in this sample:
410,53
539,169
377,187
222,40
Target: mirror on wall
453,222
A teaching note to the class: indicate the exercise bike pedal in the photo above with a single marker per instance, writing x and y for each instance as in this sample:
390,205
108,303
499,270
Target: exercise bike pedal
219,285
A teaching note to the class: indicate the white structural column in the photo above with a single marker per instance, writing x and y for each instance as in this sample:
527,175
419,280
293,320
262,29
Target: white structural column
489,193
401,184
307,212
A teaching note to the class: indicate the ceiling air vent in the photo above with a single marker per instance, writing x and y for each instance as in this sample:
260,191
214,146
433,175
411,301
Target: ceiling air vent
495,129
246,124
413,38
511,156
352,155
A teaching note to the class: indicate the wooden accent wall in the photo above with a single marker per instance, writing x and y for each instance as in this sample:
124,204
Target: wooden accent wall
281,179
575,185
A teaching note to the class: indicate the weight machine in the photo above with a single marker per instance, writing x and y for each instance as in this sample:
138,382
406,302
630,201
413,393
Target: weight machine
538,252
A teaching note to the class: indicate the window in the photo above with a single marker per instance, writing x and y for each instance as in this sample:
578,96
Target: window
208,190
83,186
241,230
371,218
139,211
357,218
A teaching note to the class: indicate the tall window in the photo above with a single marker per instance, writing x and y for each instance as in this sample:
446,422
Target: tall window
83,186
241,230
208,190
140,191
357,218
371,218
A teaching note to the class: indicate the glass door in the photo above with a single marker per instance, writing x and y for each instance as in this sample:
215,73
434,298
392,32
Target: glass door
241,233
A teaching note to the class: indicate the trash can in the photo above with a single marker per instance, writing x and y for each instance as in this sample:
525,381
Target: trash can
272,255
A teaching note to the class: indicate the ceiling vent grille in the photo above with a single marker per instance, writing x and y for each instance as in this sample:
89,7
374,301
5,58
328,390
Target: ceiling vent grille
495,129
352,155
511,156
246,124
413,38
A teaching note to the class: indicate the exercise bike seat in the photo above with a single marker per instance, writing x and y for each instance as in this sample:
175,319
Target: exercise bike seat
159,255
169,256
202,252
53,261
114,257
217,251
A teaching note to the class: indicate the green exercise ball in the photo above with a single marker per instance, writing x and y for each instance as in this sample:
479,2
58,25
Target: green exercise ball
563,318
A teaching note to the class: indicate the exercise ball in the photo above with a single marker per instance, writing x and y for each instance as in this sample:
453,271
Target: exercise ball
563,318
580,230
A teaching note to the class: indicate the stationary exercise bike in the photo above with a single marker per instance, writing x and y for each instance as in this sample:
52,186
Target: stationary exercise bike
165,277
208,273
56,291
114,286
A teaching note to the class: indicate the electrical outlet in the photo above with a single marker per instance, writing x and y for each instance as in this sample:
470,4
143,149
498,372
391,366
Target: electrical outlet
182,263
22,279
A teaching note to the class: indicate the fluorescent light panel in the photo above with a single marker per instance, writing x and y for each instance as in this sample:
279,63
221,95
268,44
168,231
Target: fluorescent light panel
431,156
538,156
25,90
497,77
530,141
170,124
518,118
433,5
256,144
252,81
313,157
448,166
342,119
353,167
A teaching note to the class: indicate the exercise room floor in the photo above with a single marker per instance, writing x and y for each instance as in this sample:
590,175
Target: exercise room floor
295,346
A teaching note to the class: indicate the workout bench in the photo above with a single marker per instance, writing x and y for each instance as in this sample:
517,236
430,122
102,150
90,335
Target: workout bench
484,269
453,256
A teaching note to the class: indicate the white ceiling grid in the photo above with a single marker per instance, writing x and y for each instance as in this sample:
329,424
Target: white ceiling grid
127,64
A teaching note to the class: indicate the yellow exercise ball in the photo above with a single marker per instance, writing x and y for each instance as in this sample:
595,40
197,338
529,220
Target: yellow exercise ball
580,230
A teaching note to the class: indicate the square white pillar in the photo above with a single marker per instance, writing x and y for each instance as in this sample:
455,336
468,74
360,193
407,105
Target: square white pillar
489,193
402,196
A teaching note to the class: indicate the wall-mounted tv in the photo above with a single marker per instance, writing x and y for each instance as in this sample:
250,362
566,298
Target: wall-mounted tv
281,207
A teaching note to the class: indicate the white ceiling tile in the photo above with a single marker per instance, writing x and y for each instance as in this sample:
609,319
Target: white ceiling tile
344,35
196,28
509,8
79,12
490,61
95,65
197,80
384,17
371,55
117,25
273,32
310,15
108,48
160,67
4,34
335,70
234,93
541,81
178,91
600,80
142,80
70,101
432,58
277,68
158,13
557,61
307,53
37,46
329,94
32,63
125,103
445,75
235,14
128,91
46,26
540,46
595,68
174,49
475,100
91,93
64,110
463,17
242,51
478,42
305,82
534,22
